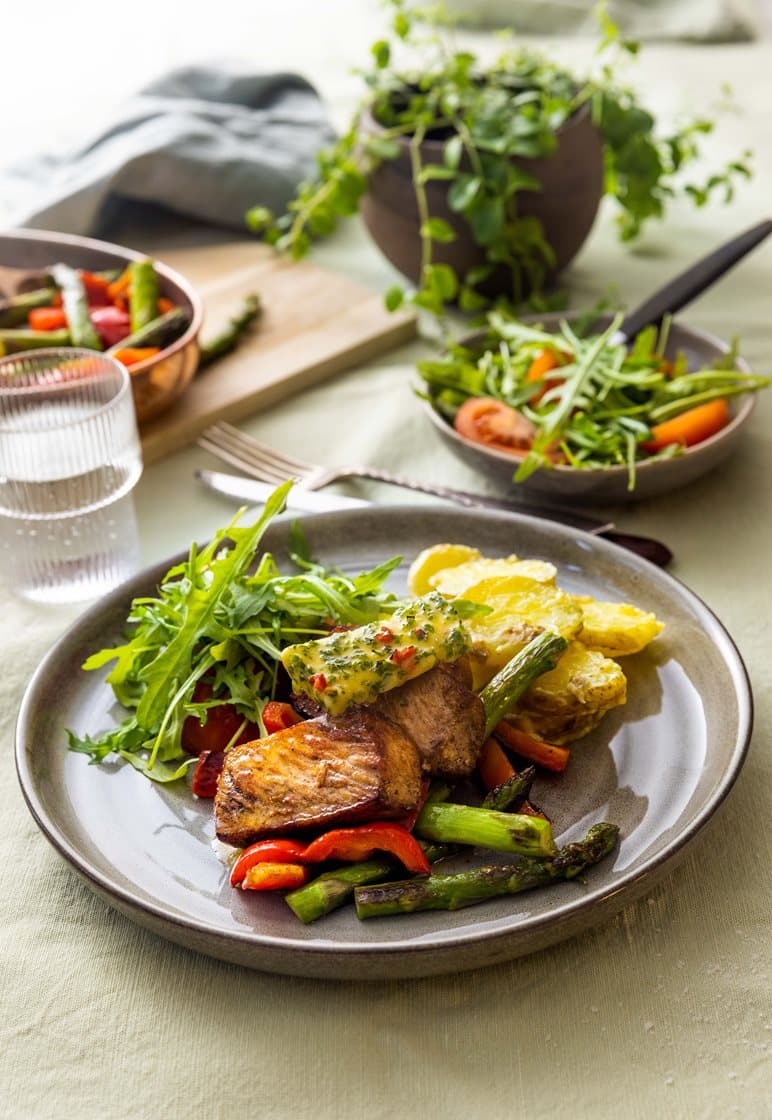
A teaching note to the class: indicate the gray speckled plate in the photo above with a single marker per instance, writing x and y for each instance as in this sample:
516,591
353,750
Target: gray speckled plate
659,767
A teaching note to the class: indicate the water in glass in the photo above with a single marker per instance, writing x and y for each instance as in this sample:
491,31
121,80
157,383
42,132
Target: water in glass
69,460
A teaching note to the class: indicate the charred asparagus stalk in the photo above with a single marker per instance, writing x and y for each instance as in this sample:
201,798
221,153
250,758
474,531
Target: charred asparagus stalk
17,338
143,302
75,302
159,332
466,888
502,693
14,311
509,793
333,889
486,828
229,338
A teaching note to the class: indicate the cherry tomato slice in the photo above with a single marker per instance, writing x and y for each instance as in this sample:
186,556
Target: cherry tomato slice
222,723
495,424
206,773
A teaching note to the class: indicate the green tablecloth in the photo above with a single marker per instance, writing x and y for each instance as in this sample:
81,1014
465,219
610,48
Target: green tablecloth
663,1011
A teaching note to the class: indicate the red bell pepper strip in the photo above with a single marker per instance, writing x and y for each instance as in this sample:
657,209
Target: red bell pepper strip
275,877
266,851
359,843
278,716
47,318
223,724
206,773
97,289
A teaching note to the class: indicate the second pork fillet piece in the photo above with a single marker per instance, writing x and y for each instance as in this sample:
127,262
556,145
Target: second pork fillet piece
441,714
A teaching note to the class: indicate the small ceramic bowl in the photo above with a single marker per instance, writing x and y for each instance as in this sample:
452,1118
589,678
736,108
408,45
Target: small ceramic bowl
157,382
571,485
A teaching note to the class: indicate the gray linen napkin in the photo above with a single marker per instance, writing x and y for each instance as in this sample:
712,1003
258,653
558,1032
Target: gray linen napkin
203,142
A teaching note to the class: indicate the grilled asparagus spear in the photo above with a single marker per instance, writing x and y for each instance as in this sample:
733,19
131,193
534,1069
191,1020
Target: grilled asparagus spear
466,888
75,301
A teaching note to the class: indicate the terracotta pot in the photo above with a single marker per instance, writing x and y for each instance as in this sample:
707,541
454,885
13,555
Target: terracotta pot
572,187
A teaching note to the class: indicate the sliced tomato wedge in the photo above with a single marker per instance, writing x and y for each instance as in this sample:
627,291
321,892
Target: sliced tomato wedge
495,424
222,724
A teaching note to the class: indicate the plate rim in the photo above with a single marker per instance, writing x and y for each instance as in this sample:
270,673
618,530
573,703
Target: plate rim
315,956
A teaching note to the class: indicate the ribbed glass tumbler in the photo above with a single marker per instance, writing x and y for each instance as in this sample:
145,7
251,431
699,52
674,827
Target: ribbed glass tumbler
69,460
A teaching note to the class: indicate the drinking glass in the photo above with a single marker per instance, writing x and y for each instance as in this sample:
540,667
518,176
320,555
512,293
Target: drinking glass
69,460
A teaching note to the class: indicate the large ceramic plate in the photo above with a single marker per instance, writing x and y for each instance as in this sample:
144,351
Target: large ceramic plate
659,767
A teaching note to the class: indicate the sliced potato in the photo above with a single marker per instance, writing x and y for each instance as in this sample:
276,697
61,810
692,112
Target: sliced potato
617,629
569,701
435,559
456,580
520,608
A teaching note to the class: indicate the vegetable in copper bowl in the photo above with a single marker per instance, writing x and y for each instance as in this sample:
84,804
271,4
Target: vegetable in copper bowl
83,292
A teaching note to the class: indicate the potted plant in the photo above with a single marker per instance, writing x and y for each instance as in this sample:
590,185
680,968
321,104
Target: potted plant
481,180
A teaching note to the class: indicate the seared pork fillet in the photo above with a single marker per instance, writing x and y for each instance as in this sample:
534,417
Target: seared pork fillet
438,711
323,773
443,717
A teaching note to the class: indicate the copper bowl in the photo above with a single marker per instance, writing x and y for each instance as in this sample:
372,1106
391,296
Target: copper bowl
157,382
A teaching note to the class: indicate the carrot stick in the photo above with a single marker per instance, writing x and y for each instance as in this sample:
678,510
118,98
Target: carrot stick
544,361
548,755
692,426
120,286
132,355
493,765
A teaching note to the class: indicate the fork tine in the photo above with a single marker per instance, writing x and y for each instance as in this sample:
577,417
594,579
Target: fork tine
237,461
259,451
247,454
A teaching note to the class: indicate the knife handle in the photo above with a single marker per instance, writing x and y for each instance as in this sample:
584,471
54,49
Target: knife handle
647,547
685,287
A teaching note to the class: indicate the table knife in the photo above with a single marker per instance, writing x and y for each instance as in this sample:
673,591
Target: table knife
250,490
315,501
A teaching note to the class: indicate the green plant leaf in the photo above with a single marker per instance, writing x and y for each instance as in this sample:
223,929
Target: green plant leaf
441,281
463,192
452,152
486,217
381,52
437,229
394,298
382,147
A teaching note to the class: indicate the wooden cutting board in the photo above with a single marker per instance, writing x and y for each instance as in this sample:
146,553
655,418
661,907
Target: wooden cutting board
315,323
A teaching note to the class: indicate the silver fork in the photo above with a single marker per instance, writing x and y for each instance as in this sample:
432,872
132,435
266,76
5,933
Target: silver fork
268,465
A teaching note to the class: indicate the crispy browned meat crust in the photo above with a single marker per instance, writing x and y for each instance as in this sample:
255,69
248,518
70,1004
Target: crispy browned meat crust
443,717
323,773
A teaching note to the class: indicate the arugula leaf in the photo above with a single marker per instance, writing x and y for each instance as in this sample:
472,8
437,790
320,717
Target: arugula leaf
173,663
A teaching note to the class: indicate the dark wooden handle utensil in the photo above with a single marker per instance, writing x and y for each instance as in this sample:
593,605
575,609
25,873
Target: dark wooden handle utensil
685,287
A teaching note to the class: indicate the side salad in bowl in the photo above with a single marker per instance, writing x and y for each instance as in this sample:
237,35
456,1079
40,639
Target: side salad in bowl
580,413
